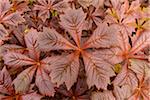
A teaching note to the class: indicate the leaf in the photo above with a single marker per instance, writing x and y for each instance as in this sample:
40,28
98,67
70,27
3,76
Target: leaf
5,76
115,3
121,15
47,62
49,39
141,42
98,71
105,95
5,82
87,3
31,96
12,48
20,6
134,6
19,33
23,80
96,16
49,46
120,49
65,70
61,6
141,68
43,9
3,32
126,77
45,6
142,91
31,39
13,19
113,55
103,37
122,93
123,40
17,59
4,6
72,21
43,82
43,2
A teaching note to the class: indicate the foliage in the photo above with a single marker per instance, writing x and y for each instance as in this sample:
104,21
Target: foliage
74,50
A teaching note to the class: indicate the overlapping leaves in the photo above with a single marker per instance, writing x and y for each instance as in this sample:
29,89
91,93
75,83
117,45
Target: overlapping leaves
101,44
98,70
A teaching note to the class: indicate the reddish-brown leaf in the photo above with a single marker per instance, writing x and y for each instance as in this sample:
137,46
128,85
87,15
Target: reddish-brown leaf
50,39
3,33
23,80
45,6
98,71
17,59
13,19
105,95
103,37
43,82
4,6
141,68
72,21
141,42
142,91
113,55
65,70
32,43
5,82
87,3
123,92
126,77
31,96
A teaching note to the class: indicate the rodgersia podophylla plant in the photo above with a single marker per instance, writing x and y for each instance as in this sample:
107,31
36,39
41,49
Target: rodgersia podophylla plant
74,50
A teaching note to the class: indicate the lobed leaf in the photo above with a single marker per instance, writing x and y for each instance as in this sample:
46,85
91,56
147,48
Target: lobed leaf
3,32
72,21
141,68
5,76
123,40
5,82
141,42
45,6
123,92
17,59
23,80
87,3
31,39
65,70
12,48
126,77
113,55
48,61
142,91
103,37
43,9
98,71
43,82
49,39
61,6
4,6
13,19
